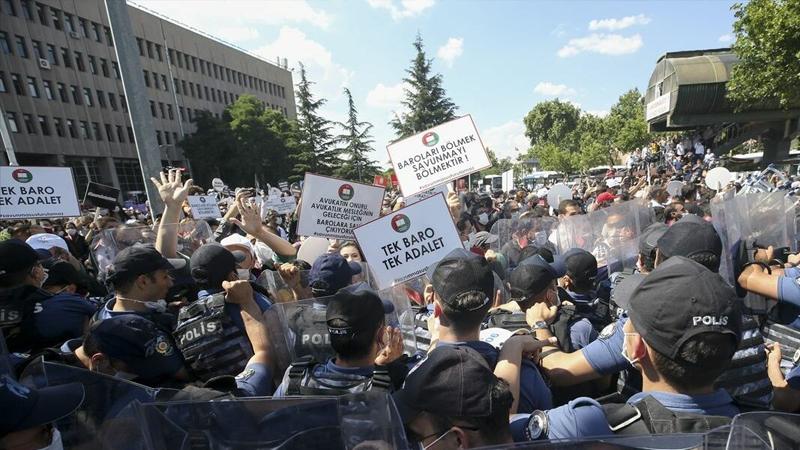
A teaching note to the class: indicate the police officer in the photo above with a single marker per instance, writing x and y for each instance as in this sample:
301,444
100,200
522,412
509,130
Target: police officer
461,291
680,351
329,273
66,314
533,281
577,288
364,347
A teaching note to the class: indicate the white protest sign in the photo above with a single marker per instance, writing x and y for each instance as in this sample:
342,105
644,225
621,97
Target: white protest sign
204,206
402,245
281,205
428,193
441,154
331,207
37,192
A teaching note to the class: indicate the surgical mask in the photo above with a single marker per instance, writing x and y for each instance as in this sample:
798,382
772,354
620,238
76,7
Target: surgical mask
515,215
55,441
483,218
243,274
158,306
60,233
624,352
72,231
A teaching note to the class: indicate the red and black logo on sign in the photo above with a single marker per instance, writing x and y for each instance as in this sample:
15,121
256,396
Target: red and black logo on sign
22,176
346,192
401,223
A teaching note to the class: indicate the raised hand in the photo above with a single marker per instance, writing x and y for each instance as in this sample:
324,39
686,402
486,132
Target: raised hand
170,188
393,347
251,217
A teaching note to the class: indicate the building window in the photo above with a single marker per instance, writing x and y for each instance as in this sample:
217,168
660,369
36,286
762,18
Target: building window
92,65
176,85
174,137
48,89
30,128
96,32
194,64
84,27
123,103
76,96
140,44
120,134
71,129
213,95
8,7
69,23
40,11
130,135
3,84
33,87
167,139
4,45
84,170
62,92
96,131
84,127
66,57
158,137
155,80
112,101
109,133
180,111
115,66
187,61
87,97
164,83
170,113
149,49
171,56
129,174
58,124
158,53
17,82
199,92
183,87
109,37
79,62
146,78
37,49
179,59
225,94
101,99
44,126
206,89
161,108
104,67
202,67
22,49
51,55
153,108
191,88
12,122
55,16
27,9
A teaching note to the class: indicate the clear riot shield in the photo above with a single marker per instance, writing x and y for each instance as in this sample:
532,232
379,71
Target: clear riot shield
277,287
514,235
765,430
402,296
364,420
611,234
105,397
746,222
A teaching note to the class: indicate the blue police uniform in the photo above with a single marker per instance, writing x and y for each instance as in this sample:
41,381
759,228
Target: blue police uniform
254,381
582,332
604,354
329,371
789,289
62,316
235,311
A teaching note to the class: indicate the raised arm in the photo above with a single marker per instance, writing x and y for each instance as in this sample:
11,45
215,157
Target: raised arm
172,193
251,223
241,293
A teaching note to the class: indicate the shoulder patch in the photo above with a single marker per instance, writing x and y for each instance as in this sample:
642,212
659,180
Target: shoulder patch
606,332
245,375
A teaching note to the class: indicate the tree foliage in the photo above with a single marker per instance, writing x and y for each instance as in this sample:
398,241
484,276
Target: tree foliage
768,46
355,143
312,135
552,121
426,101
498,165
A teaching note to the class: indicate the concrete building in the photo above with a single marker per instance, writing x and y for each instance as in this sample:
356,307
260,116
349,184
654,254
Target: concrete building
63,99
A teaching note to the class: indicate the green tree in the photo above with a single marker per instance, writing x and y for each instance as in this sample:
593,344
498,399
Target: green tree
208,149
595,141
356,144
552,121
426,100
312,134
627,123
498,165
553,157
768,46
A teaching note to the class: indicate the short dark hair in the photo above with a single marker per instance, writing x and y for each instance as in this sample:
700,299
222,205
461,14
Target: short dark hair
125,284
353,346
464,319
493,429
700,361
567,203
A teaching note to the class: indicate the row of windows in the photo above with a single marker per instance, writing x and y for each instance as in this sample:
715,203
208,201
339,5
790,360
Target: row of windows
155,52
56,56
56,91
62,20
79,129
58,19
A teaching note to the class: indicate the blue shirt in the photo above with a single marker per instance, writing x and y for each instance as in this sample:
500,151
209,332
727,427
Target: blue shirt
793,377
255,381
235,311
62,316
330,370
581,333
582,417
604,354
718,403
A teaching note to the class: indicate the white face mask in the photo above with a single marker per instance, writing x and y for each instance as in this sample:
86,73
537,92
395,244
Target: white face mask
483,218
72,231
55,442
243,274
624,352
159,306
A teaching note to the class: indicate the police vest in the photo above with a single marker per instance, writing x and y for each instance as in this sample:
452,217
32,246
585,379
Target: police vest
311,333
302,381
211,343
746,378
649,416
17,309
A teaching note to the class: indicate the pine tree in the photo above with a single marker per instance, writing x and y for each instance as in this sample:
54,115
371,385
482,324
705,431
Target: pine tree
356,143
312,134
426,99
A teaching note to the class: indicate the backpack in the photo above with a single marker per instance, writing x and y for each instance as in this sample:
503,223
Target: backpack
211,343
302,381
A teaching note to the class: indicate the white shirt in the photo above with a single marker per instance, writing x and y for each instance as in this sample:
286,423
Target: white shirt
699,149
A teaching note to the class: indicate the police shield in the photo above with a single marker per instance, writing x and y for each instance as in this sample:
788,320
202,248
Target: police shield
279,290
346,422
105,397
611,234
303,330
517,238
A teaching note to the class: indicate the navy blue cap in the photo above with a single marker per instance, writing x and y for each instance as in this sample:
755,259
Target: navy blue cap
212,263
331,272
557,268
459,273
147,351
16,256
140,260
27,407
388,306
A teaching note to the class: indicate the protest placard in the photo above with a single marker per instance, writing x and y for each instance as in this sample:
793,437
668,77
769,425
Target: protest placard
100,195
37,192
332,207
281,205
427,193
204,206
402,245
441,154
